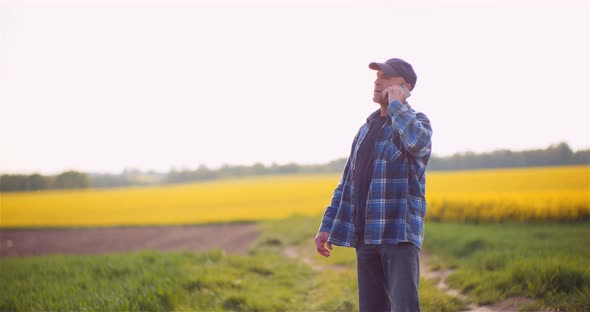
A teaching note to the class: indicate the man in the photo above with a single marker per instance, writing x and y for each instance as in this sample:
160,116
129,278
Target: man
379,205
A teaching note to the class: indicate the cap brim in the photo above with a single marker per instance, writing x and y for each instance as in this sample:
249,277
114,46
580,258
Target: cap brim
386,69
375,66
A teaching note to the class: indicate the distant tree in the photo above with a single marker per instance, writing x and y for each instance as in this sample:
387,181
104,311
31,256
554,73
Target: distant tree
109,180
554,155
13,182
71,180
36,182
582,157
288,168
562,152
259,169
204,173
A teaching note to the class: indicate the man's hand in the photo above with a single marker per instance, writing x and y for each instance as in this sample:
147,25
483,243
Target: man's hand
393,93
320,240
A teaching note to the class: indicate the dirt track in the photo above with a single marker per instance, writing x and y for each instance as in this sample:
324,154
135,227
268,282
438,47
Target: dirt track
235,238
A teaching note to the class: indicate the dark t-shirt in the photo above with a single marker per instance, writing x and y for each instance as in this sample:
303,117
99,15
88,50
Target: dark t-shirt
363,172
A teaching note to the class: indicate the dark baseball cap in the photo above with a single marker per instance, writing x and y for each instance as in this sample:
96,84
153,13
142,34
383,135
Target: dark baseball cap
396,67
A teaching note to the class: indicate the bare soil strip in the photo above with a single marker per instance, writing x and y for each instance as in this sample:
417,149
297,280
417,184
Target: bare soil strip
234,238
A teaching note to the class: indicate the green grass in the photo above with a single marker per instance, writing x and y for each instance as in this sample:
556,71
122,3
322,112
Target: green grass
154,281
546,262
264,280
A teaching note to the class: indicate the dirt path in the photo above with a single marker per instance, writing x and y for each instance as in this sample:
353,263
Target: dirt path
510,304
235,238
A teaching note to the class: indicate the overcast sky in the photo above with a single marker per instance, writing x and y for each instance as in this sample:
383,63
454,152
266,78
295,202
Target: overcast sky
104,85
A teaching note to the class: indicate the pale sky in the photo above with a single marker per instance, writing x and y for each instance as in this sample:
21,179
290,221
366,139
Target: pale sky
99,86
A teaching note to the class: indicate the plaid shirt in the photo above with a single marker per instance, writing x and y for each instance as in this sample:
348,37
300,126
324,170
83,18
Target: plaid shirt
396,205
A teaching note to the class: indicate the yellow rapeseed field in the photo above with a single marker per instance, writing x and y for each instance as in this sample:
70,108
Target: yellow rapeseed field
522,194
553,193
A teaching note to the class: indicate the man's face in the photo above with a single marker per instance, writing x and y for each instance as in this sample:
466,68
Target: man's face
382,82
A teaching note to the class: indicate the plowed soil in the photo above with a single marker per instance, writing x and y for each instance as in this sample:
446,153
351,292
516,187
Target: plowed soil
233,238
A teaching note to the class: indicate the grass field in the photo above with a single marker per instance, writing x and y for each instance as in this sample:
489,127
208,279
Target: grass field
538,194
264,280
545,262
495,261
153,281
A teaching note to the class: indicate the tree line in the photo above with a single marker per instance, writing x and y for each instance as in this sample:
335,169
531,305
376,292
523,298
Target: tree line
554,155
35,182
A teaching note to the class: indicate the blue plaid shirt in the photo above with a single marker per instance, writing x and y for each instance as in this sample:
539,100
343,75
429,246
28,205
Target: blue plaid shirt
396,204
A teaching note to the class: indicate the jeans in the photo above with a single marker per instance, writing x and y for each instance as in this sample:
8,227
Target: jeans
388,277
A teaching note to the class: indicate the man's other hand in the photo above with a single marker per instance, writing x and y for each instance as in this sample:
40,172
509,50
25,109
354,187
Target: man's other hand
320,240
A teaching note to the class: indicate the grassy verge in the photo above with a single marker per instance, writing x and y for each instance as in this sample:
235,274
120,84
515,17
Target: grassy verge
264,280
155,281
546,262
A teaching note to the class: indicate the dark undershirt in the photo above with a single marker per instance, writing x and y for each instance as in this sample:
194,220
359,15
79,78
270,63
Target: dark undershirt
363,172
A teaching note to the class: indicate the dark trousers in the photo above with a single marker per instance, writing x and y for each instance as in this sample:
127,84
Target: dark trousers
388,277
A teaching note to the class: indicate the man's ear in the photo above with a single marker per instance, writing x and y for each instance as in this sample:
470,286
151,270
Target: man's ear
409,86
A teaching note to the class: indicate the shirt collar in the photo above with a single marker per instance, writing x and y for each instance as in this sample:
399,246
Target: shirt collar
374,115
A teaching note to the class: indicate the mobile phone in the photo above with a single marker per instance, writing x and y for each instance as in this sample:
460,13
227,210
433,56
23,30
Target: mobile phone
406,91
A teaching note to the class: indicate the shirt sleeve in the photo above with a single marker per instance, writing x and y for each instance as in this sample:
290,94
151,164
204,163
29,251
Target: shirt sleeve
332,209
414,128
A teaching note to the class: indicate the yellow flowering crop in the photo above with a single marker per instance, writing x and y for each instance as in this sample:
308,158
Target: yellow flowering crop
238,199
554,193
521,194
